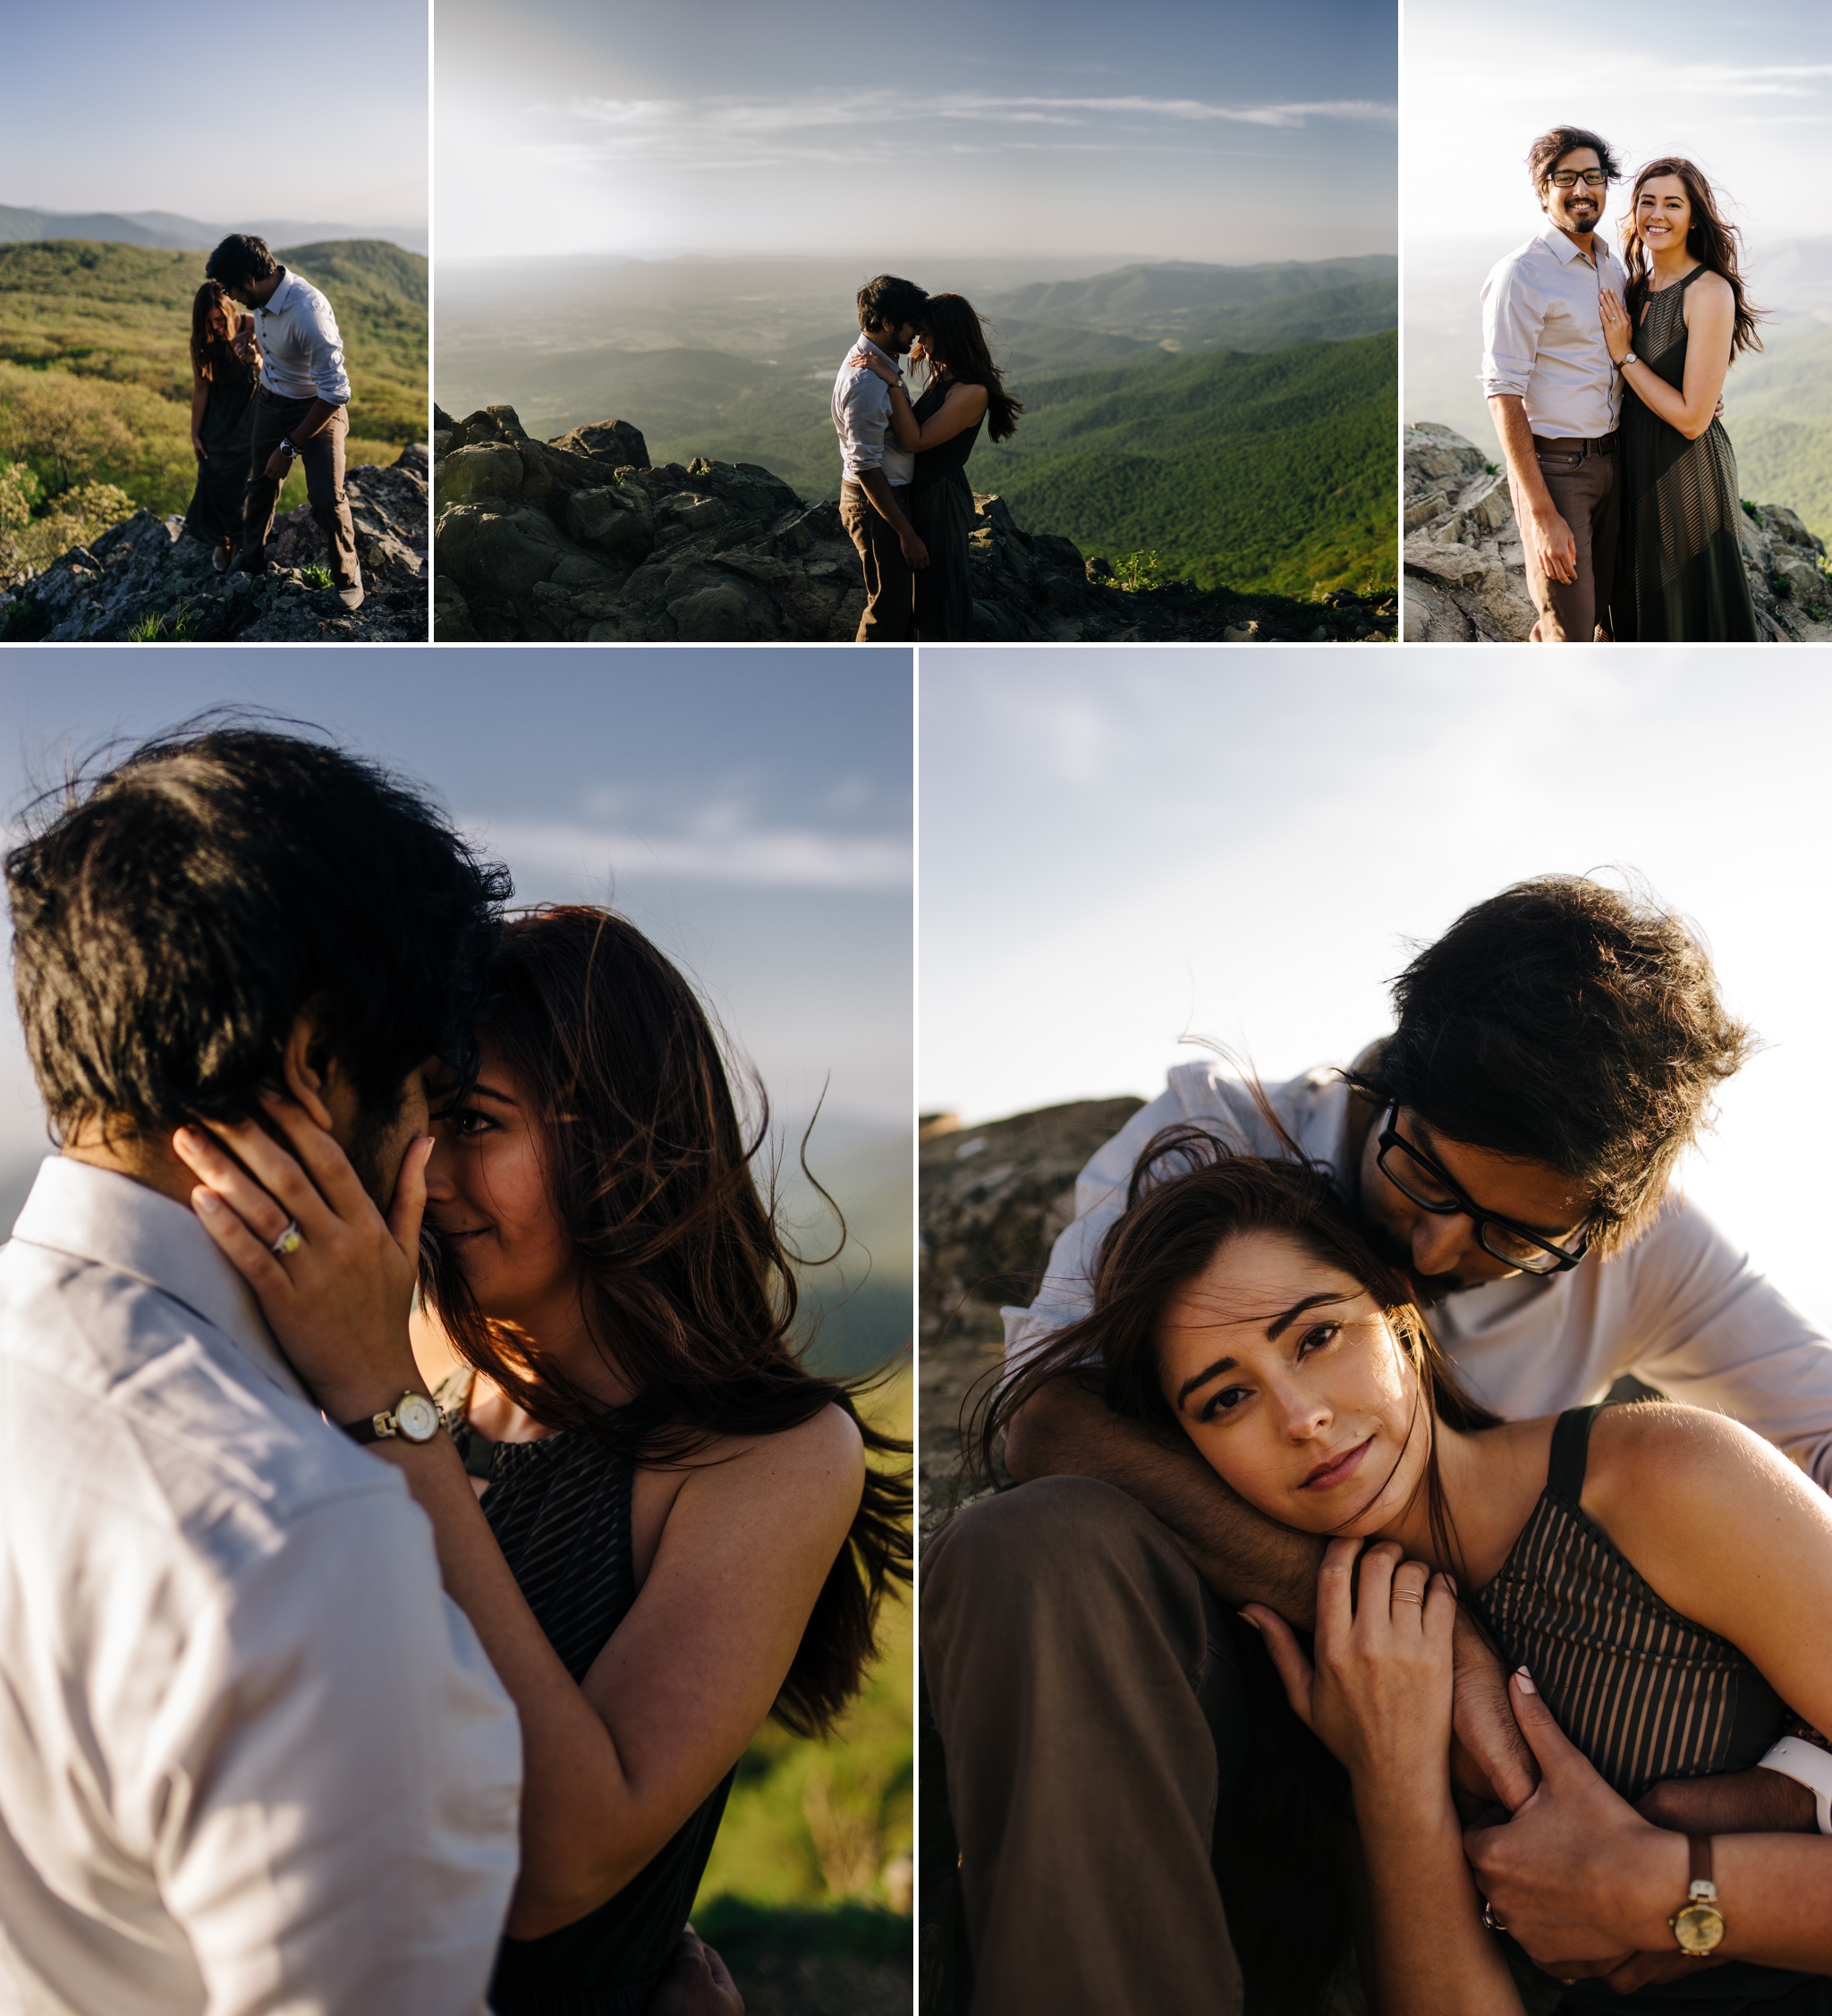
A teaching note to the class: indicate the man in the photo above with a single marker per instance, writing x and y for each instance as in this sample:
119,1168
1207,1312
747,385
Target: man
875,486
300,410
1512,1144
1554,391
251,1758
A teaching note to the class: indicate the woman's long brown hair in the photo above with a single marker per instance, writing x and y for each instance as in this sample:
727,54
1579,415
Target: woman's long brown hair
210,352
1710,239
689,1285
954,338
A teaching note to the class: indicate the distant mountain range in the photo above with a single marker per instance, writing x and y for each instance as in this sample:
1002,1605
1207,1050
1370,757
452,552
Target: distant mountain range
163,231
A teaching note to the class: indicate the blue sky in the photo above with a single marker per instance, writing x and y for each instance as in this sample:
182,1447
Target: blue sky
216,113
1119,847
1166,129
754,807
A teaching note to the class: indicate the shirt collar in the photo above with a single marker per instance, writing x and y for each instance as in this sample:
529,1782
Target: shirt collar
879,348
1565,252
276,301
99,1215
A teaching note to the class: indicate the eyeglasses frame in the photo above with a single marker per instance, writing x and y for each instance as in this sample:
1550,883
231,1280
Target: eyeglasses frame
1461,1202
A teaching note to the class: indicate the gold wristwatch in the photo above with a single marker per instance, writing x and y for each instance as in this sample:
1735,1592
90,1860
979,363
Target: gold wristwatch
1697,1924
414,1418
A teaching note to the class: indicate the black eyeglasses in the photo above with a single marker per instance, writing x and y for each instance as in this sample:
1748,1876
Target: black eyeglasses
1569,178
1413,1173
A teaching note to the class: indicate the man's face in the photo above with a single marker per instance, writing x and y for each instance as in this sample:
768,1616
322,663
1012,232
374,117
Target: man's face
896,340
1580,208
1440,1250
375,1144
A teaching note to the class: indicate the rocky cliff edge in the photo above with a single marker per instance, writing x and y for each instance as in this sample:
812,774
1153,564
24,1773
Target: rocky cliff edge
581,540
1465,569
140,581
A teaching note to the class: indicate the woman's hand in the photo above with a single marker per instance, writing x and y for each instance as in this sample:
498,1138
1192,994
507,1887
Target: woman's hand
1380,1694
339,1303
1618,333
244,343
197,445
870,360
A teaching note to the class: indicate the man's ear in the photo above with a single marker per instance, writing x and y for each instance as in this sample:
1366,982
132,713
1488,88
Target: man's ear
306,1067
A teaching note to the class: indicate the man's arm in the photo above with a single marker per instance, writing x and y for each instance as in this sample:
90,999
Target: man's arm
1555,550
1067,1430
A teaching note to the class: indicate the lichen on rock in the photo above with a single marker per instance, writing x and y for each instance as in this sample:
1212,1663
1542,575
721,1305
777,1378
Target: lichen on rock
1465,567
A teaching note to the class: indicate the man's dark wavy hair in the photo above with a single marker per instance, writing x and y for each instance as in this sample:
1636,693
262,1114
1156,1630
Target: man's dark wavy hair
1551,147
240,258
887,301
174,911
1571,1024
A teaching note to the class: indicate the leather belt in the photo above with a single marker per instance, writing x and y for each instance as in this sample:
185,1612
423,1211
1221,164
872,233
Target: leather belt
1605,444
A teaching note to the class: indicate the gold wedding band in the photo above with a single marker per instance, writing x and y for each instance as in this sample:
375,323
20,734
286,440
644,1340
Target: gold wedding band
289,1241
1409,1596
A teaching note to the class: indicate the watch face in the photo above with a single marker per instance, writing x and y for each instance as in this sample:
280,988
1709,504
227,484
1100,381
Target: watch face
1698,1928
416,1419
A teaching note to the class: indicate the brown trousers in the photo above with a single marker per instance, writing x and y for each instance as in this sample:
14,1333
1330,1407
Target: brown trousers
323,456
1093,1722
890,586
1581,477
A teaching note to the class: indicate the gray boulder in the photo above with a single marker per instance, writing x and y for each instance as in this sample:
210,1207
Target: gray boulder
1465,568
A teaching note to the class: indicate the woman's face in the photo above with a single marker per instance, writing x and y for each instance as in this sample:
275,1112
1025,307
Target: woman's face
1287,1375
1663,212
918,350
218,325
486,1197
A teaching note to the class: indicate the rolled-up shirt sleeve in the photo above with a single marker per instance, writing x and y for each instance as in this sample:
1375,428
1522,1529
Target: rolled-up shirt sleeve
1512,319
335,1801
865,408
326,365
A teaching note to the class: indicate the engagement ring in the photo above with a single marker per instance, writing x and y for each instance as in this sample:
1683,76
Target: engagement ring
289,1241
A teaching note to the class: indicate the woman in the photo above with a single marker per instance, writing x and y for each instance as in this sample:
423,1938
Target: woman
965,391
222,418
661,1524
1628,1559
1679,574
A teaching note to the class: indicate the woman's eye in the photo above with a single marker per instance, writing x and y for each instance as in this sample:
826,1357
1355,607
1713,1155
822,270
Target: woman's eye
1315,1340
1225,1401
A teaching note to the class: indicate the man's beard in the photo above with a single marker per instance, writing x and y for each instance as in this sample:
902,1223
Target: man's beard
1583,216
1426,1288
369,1141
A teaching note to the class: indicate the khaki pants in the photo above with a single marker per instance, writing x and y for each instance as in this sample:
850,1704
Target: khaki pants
1580,477
323,457
890,586
1092,1721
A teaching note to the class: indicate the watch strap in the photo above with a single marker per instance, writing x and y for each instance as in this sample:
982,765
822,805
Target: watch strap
1701,1884
368,1429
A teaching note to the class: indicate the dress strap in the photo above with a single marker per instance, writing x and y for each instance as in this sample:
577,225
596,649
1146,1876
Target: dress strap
1570,1452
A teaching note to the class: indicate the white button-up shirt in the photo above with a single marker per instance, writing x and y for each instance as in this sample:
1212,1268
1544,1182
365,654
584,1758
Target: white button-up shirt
252,1759
1680,1309
301,353
861,409
1543,336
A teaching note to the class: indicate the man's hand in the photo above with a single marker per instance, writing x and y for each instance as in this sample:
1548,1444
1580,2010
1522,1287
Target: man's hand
1492,1771
278,463
244,343
698,1983
1555,550
915,554
1580,1879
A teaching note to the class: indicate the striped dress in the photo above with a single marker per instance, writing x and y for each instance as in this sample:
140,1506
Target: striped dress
560,1510
1643,1693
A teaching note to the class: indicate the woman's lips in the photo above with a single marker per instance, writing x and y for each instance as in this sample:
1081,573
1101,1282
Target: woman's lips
1338,1470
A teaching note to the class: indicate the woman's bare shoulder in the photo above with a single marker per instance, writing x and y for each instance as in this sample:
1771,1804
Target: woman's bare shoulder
1711,291
827,1446
1657,1463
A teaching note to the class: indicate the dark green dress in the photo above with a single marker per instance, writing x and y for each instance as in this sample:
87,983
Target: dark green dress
560,1510
1679,576
941,509
222,476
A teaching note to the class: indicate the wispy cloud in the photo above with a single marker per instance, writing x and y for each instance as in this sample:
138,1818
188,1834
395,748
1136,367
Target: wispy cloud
721,844
781,127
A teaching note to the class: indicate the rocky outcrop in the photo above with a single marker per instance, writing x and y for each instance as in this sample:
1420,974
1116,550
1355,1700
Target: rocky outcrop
579,539
993,1199
1465,570
139,580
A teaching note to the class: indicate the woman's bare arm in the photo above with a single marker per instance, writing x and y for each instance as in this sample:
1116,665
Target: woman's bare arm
965,404
1709,310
